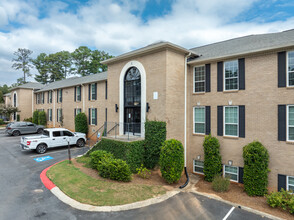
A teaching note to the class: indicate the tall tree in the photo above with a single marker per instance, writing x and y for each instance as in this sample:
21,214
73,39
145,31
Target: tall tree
23,61
82,60
62,63
96,58
41,63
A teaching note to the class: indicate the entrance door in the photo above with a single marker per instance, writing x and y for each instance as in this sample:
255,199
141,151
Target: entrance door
132,120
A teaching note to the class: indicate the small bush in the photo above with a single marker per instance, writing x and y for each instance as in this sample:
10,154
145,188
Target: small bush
212,158
36,117
97,156
81,123
283,199
143,172
115,169
171,160
29,119
42,118
220,184
256,159
1,121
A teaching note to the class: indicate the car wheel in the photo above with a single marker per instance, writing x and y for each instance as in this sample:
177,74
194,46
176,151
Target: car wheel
40,131
16,133
80,143
41,148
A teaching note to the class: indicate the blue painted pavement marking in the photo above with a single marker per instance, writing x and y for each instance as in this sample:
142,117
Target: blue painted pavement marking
41,159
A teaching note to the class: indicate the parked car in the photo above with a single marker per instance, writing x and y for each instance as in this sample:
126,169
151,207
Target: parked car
53,137
22,127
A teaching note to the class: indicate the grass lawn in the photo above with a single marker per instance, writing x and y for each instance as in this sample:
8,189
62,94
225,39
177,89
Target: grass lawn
86,189
85,160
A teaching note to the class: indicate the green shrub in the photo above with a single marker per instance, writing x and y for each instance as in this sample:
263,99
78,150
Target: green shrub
97,156
212,158
36,117
42,118
143,172
171,160
155,135
131,152
283,199
17,117
81,123
115,169
220,184
256,159
29,119
1,121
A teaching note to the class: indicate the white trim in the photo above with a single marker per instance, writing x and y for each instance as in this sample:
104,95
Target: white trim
199,81
287,184
83,94
142,71
287,68
33,100
200,107
50,111
197,166
224,121
224,172
287,122
80,87
91,92
91,116
224,76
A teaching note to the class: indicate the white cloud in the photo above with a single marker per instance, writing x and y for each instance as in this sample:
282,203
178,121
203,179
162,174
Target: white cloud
111,26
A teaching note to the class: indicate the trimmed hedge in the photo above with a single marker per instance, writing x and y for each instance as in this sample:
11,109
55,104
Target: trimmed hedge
131,152
36,117
28,119
256,159
171,160
81,123
283,199
42,118
97,156
212,158
115,169
17,117
155,135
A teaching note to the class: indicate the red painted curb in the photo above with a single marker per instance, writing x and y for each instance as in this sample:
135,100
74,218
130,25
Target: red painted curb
45,180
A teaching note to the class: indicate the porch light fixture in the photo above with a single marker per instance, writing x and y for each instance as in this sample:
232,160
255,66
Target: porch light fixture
147,107
116,108
230,162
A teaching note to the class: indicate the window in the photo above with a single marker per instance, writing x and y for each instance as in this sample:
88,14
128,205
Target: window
14,100
49,114
59,95
231,75
67,133
43,98
49,96
198,166
231,172
59,115
291,68
77,111
199,120
93,116
231,124
78,93
30,124
290,122
93,91
56,134
290,183
199,79
39,98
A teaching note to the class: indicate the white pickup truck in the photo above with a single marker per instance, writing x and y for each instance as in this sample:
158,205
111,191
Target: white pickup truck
52,137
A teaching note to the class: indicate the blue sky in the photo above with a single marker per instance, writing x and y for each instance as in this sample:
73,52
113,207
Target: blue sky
118,26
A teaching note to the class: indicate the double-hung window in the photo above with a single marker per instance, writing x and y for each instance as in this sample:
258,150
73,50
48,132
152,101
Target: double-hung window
49,114
199,120
49,96
59,115
290,68
93,91
198,166
93,116
78,111
199,79
231,121
290,123
290,183
231,75
231,172
78,95
59,95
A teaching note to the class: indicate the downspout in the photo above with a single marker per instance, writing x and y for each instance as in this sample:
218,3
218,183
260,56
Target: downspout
185,128
54,110
83,92
33,100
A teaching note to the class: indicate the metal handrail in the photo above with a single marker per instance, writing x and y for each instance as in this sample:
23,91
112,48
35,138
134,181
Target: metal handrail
96,131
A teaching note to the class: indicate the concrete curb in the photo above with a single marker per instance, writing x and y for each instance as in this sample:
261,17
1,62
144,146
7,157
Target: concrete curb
85,207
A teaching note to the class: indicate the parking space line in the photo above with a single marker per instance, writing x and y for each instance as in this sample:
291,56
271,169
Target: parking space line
228,214
54,152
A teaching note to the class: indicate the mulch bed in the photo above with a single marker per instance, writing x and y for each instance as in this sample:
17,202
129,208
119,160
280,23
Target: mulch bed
237,195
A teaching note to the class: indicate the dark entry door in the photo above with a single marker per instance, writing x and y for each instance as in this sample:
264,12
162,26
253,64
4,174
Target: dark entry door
133,120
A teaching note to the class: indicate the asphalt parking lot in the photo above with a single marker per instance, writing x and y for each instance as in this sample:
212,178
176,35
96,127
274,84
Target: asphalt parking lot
23,196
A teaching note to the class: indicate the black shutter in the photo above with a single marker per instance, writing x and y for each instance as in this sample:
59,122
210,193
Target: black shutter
57,95
220,76
282,182
89,91
282,69
95,116
106,114
48,97
89,116
57,115
241,172
95,91
61,96
105,89
75,98
241,74
47,116
37,98
75,112
220,120
282,122
43,97
242,121
80,93
207,77
207,119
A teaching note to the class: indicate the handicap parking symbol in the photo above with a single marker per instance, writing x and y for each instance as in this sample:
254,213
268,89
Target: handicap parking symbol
41,159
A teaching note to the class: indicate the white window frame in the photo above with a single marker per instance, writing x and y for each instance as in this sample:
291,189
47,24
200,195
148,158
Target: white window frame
59,95
194,79
194,122
194,170
288,126
287,66
78,88
76,111
224,76
224,172
91,95
50,114
59,114
288,182
42,98
92,110
38,98
224,121
50,97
